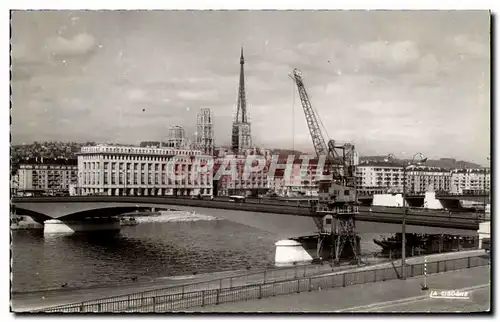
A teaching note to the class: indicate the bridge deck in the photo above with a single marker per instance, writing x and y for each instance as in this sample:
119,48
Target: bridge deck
72,207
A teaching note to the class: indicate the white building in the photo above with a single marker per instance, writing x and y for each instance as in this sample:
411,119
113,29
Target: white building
47,175
379,177
470,180
421,178
120,170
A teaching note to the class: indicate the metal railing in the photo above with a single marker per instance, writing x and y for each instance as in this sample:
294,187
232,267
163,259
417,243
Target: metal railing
227,293
239,280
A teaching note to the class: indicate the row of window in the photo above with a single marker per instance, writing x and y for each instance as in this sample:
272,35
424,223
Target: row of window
150,179
135,166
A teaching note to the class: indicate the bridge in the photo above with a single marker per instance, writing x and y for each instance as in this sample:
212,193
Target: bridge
289,217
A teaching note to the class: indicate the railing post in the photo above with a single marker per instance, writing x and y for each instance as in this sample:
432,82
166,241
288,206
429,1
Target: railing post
217,297
437,268
310,284
265,276
260,291
154,304
182,291
445,268
343,280
203,298
411,272
298,286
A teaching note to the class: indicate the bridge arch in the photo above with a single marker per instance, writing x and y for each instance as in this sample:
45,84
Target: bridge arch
43,212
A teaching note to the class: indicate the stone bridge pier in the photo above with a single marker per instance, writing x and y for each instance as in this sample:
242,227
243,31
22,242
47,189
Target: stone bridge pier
69,226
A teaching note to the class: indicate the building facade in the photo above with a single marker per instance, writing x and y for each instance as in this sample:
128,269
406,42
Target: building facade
470,180
302,180
46,175
379,177
422,179
119,170
236,182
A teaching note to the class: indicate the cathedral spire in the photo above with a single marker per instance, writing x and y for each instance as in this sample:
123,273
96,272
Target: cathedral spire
241,134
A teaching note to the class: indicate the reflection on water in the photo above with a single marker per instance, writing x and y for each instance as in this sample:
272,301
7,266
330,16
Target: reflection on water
147,251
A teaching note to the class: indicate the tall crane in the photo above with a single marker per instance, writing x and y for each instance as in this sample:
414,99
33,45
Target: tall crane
340,158
337,204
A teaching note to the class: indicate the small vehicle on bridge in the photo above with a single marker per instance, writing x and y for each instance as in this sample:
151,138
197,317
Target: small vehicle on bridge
486,245
237,199
203,197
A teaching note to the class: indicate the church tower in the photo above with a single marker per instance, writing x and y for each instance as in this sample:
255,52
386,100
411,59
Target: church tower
241,138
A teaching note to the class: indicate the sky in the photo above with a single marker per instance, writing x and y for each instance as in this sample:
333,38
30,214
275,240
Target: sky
396,82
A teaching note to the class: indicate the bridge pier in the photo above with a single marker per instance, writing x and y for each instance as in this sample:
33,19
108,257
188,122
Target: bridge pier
290,252
55,226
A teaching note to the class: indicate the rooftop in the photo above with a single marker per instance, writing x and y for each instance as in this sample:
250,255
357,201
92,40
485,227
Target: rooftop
48,161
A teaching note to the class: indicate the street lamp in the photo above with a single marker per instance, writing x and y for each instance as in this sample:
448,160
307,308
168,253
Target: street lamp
403,228
484,186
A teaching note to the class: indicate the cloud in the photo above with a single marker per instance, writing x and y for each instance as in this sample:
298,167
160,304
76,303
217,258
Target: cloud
373,77
79,45
467,45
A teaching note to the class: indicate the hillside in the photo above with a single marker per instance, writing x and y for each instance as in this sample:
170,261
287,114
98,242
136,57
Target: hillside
446,163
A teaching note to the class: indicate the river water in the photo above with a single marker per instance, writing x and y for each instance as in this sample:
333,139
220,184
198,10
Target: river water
168,245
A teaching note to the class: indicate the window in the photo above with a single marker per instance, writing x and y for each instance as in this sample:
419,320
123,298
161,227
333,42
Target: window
346,192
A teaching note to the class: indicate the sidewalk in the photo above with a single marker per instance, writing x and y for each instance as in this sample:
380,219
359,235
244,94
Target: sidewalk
353,298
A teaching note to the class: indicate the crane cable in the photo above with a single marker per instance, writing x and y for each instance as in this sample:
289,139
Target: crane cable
293,116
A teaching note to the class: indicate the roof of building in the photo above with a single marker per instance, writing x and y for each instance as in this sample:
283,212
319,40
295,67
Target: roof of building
372,163
48,161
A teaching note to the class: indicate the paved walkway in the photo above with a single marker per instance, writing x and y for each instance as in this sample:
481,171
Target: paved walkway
389,296
40,300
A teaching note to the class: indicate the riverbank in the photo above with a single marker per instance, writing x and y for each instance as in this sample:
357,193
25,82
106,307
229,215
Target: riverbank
39,300
24,222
